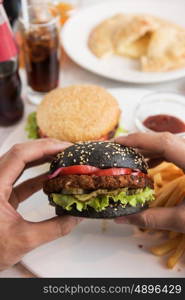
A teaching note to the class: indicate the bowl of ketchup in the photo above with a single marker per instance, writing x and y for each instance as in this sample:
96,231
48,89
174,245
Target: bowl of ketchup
161,112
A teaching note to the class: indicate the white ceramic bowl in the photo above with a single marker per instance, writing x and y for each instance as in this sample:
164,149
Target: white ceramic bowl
159,103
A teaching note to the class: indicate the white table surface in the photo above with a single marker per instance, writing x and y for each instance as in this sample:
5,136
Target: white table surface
73,74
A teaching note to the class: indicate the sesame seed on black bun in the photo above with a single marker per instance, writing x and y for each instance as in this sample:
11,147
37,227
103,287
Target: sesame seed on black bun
102,155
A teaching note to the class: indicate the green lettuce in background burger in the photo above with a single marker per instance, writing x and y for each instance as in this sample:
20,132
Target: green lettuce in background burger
32,127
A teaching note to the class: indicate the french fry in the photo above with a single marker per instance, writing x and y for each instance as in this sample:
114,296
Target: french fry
159,201
178,194
158,183
161,198
165,247
163,195
158,169
182,187
172,199
158,179
169,184
173,234
173,259
171,174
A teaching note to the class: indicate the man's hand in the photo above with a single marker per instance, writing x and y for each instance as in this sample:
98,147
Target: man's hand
18,236
170,148
157,145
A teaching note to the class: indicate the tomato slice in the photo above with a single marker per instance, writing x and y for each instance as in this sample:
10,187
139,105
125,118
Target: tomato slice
87,170
140,174
77,169
113,171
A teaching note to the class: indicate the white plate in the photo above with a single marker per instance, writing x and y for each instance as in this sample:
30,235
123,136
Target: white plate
89,251
76,31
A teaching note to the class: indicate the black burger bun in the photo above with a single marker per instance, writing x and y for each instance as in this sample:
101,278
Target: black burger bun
102,155
108,213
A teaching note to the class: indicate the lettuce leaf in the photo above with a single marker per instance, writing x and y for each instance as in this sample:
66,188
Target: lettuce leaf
100,202
120,130
31,126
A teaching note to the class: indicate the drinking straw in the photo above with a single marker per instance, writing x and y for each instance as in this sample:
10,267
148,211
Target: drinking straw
25,12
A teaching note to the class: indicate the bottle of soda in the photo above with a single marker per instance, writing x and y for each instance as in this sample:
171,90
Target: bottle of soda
11,105
12,8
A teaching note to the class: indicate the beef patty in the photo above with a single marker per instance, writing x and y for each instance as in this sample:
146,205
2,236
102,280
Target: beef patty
92,182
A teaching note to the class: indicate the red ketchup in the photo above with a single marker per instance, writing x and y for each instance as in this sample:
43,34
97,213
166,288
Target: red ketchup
164,122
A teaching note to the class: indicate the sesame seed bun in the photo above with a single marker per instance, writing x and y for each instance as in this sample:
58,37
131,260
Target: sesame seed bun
102,155
78,113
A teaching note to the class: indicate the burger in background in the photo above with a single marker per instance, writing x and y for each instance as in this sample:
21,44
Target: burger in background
75,113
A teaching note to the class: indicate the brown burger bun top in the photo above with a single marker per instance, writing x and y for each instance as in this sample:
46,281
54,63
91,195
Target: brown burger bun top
78,113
